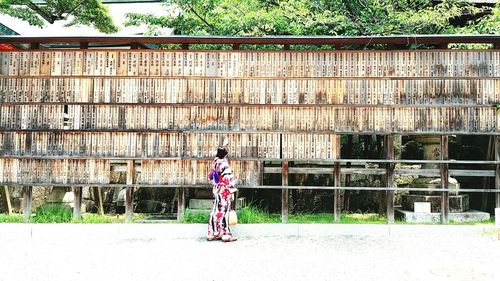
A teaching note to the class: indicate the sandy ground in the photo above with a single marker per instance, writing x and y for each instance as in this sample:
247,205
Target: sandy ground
179,252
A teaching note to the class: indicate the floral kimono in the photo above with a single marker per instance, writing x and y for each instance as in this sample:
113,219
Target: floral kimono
223,188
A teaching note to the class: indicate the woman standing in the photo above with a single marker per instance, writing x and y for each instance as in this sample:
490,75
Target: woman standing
223,189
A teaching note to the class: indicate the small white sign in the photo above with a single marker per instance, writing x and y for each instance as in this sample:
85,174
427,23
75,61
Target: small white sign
422,207
497,217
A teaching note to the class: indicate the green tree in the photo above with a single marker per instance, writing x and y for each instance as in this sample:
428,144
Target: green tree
86,12
306,17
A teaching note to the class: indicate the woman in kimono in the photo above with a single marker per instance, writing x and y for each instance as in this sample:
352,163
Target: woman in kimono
223,190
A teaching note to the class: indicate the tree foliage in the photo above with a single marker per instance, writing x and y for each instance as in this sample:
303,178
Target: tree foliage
86,12
307,17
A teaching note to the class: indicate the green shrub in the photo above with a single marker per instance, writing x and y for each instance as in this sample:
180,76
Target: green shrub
52,213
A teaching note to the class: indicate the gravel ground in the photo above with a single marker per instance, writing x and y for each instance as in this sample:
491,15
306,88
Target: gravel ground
420,254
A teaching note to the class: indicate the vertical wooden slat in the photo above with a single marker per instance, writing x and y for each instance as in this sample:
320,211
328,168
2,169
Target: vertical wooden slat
445,202
27,202
4,191
497,173
181,203
347,181
129,191
77,204
389,148
337,205
284,192
98,198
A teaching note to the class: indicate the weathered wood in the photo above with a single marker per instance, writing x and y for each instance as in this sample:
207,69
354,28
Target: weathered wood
77,204
445,201
497,173
98,199
347,193
337,203
27,202
489,155
129,191
5,194
284,192
181,203
389,148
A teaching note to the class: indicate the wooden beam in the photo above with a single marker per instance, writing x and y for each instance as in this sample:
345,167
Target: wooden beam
347,193
27,202
34,46
284,192
389,149
337,203
129,192
181,203
84,45
77,204
497,172
5,194
133,45
98,199
445,200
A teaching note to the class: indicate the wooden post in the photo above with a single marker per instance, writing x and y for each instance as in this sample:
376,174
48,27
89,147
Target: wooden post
129,191
347,182
445,201
286,47
181,203
337,205
497,173
389,148
235,46
98,198
4,191
284,192
185,46
77,204
27,202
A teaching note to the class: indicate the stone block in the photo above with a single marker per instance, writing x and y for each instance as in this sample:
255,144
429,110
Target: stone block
458,203
468,216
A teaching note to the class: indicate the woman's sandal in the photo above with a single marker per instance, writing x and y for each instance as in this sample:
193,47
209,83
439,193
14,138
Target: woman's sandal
213,237
229,238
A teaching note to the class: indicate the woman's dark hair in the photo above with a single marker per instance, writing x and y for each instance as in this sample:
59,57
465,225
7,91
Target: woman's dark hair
221,152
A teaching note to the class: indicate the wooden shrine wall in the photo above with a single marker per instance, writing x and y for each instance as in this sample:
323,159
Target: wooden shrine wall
64,115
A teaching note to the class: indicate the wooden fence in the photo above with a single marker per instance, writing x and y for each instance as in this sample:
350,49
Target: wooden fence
67,115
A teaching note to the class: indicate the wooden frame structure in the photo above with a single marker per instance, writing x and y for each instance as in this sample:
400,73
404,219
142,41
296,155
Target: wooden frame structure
67,116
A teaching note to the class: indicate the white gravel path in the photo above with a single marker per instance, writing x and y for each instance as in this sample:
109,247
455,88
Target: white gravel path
145,252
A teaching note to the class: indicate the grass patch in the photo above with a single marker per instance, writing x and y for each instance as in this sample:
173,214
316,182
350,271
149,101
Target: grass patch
344,218
191,216
251,214
52,213
96,219
14,218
